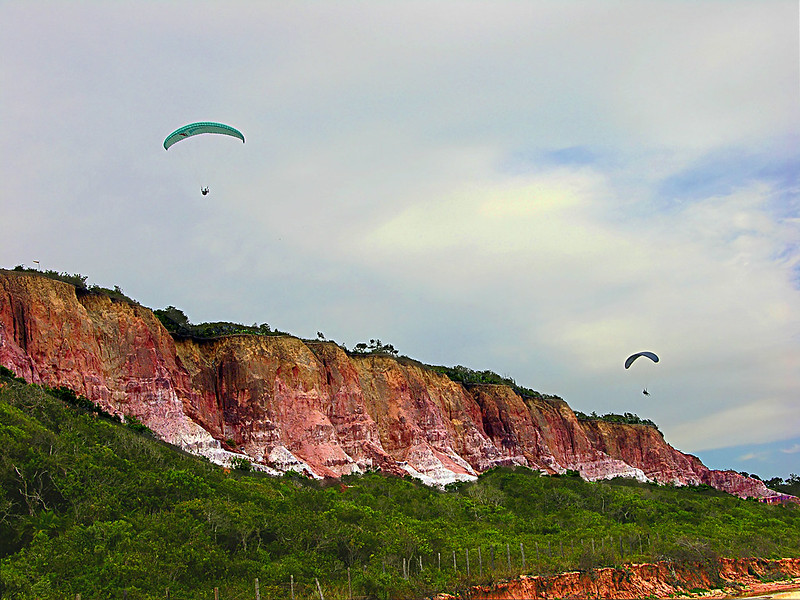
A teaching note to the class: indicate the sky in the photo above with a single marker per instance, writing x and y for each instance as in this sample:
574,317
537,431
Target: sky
536,188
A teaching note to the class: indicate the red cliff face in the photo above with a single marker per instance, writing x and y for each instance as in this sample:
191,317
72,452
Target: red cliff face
289,404
644,448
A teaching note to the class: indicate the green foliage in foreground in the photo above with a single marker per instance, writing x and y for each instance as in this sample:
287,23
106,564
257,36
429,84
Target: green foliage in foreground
91,506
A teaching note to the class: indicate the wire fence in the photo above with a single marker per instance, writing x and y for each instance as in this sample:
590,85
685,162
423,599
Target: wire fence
438,572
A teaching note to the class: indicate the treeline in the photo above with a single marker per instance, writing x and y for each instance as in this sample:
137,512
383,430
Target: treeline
90,506
626,418
375,346
177,323
467,376
790,485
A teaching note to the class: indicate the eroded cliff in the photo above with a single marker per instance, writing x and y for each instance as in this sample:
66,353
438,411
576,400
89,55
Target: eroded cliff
289,404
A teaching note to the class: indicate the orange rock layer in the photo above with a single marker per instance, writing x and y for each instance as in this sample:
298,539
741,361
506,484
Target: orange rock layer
659,580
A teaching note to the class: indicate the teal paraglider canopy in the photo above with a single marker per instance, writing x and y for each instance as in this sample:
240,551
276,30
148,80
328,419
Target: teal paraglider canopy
633,357
199,128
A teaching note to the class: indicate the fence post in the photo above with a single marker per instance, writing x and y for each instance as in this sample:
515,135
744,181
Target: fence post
216,593
319,589
291,585
467,562
455,567
439,559
522,552
258,591
508,555
480,563
349,586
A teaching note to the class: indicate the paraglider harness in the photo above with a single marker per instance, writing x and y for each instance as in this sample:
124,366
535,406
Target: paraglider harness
645,392
204,191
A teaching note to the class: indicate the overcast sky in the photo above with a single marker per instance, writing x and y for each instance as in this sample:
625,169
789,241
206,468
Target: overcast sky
539,188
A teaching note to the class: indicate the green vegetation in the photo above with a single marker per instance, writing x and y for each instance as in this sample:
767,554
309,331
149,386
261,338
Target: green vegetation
790,485
94,506
79,281
177,323
626,418
374,347
468,376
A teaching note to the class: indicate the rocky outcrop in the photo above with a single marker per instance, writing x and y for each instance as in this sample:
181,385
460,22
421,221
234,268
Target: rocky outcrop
289,404
651,580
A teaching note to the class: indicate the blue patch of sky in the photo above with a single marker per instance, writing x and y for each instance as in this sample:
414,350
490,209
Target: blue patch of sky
723,172
528,161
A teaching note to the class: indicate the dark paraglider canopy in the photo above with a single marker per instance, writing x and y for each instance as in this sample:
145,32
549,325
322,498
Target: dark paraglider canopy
633,357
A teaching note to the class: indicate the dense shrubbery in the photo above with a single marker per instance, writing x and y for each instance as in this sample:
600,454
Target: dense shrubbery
469,376
790,485
90,506
626,418
176,322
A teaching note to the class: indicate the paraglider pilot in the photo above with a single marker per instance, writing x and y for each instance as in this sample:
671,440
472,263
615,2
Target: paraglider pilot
645,392
204,191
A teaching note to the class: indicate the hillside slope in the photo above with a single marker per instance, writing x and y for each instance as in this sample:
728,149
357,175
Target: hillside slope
94,507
